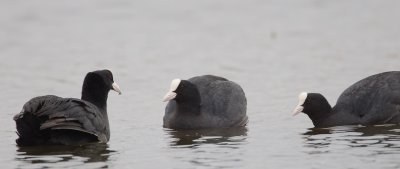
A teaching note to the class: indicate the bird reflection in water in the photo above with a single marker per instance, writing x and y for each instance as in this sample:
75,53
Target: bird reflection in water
192,138
45,156
208,147
387,137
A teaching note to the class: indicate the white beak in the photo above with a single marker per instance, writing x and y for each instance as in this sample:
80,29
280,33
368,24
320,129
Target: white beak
297,110
169,96
116,88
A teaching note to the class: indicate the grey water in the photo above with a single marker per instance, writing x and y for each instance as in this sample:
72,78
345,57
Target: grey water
274,49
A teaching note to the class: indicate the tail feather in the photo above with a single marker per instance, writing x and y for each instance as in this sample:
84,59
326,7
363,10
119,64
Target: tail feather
28,130
31,132
54,120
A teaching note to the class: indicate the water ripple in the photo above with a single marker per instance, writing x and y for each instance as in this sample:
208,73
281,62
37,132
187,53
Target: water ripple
383,138
96,155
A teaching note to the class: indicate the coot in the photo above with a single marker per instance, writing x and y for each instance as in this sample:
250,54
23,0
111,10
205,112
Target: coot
205,102
49,119
371,101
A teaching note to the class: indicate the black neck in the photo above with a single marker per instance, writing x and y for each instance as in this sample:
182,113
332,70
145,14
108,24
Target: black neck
95,95
189,103
318,118
318,114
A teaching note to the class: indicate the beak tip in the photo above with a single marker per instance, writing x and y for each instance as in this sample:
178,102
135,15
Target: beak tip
297,110
116,88
169,96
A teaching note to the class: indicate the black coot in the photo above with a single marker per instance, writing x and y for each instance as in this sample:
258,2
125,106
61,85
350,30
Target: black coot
371,101
68,121
205,102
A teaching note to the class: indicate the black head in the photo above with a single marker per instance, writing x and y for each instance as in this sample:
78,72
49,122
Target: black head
314,105
96,86
183,91
186,95
186,91
101,80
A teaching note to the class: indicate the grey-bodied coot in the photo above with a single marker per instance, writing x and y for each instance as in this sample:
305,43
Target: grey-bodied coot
205,102
371,101
49,119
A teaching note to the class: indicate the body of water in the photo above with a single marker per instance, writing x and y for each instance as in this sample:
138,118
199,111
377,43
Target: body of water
273,49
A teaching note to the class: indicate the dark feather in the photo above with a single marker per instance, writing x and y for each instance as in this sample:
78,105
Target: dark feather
56,113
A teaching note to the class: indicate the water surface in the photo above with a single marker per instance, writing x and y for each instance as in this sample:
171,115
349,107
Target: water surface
273,49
